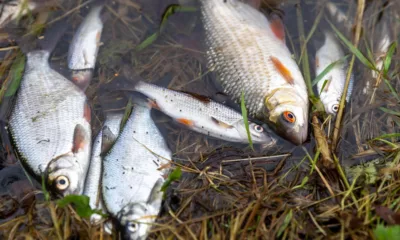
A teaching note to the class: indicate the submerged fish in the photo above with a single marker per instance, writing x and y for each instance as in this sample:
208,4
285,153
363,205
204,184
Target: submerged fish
102,143
50,125
203,115
84,47
249,54
334,81
133,174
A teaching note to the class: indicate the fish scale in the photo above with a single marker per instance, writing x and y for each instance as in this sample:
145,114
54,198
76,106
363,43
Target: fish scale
240,43
46,111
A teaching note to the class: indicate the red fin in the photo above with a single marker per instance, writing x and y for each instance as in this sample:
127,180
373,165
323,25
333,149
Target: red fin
222,124
185,121
282,70
316,62
87,114
153,104
277,27
199,97
81,139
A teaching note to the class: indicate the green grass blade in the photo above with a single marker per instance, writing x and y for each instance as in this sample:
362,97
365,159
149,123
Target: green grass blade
382,232
386,110
392,89
323,86
16,73
81,204
148,41
389,135
389,56
364,60
246,121
127,113
328,69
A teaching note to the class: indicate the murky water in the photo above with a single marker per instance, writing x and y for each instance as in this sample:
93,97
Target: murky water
176,60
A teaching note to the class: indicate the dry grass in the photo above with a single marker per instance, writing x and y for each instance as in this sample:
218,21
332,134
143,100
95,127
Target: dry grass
228,191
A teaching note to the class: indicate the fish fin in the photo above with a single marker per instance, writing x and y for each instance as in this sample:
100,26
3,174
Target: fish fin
107,139
220,123
155,197
277,27
81,138
185,121
286,74
87,114
317,62
199,97
153,104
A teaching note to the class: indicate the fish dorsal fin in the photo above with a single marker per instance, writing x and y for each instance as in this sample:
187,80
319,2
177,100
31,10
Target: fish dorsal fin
277,27
81,139
199,97
107,139
221,123
286,74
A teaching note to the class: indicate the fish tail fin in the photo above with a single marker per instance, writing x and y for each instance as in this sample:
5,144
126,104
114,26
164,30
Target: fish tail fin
52,36
31,42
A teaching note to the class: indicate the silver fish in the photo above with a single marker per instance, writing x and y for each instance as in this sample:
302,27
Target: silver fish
249,54
104,139
203,115
50,125
334,81
84,47
131,173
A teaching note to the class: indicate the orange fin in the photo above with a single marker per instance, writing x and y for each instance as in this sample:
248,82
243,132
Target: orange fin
199,97
277,27
316,62
87,114
222,124
282,70
153,104
185,121
81,138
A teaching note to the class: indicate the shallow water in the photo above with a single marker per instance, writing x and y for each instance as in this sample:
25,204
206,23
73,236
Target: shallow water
176,60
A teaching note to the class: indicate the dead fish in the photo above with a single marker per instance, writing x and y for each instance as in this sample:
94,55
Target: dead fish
50,125
133,173
331,87
102,143
84,47
203,115
249,54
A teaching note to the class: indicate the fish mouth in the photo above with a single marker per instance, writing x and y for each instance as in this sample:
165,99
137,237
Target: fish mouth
297,137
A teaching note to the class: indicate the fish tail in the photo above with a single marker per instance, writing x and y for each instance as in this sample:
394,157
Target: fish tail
52,36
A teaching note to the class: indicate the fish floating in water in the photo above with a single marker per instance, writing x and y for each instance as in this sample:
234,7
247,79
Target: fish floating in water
203,115
331,87
102,143
84,47
50,125
133,173
249,54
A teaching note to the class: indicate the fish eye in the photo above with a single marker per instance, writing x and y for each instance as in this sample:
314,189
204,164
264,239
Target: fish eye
258,128
289,117
132,227
62,183
335,108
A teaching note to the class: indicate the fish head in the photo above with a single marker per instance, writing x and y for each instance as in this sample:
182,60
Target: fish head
331,104
287,112
65,175
82,78
258,132
136,220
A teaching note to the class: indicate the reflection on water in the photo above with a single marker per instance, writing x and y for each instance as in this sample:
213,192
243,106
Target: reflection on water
179,53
